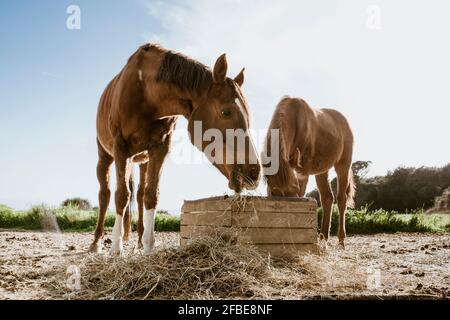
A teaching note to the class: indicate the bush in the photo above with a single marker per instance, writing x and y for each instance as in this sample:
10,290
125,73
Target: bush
166,222
78,203
5,209
364,221
73,219
23,220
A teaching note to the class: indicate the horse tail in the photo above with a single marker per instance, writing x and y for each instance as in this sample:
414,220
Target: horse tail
351,189
129,211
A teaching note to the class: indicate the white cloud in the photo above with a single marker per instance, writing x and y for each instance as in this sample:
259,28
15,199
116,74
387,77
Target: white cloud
391,83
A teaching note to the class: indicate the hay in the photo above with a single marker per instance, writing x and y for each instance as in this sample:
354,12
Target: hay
212,267
209,268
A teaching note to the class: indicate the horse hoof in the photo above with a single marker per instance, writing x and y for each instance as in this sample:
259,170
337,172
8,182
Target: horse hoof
323,244
342,244
148,250
322,237
95,248
116,250
115,253
140,245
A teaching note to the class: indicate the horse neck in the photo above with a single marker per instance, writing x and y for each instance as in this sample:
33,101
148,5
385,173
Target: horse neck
179,103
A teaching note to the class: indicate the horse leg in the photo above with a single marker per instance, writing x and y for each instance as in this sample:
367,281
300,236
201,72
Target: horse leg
326,198
140,201
128,213
343,172
104,194
302,183
154,169
122,195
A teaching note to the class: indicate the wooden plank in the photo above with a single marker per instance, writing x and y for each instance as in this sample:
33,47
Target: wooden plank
288,250
274,220
249,207
277,235
254,235
253,220
267,205
206,206
201,231
214,218
277,250
273,198
251,204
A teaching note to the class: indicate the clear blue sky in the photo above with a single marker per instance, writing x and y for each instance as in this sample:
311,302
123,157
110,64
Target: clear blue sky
391,81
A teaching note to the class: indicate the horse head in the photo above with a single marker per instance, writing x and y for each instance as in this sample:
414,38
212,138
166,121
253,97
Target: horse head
219,127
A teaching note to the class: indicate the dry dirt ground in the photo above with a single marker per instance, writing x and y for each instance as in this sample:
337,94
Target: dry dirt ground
397,265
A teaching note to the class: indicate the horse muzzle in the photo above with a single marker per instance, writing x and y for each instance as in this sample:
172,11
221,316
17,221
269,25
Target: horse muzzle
244,177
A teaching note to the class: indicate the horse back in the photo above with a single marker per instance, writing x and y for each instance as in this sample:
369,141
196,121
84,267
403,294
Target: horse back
334,139
104,133
323,136
336,123
123,111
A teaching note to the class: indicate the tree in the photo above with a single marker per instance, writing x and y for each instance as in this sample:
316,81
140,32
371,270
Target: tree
360,169
403,189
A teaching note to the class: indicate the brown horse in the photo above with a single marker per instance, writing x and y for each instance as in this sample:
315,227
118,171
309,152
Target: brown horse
135,121
310,143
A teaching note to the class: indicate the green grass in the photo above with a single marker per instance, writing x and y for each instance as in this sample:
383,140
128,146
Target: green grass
71,219
357,221
363,221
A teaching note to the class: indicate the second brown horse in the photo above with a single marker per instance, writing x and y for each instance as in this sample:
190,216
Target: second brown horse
311,142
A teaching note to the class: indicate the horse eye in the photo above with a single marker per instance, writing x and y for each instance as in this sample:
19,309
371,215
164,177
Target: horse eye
226,113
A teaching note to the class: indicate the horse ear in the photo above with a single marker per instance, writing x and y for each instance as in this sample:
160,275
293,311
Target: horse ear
240,78
220,69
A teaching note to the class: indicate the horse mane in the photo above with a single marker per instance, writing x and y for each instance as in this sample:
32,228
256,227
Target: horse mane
284,174
286,109
184,73
307,125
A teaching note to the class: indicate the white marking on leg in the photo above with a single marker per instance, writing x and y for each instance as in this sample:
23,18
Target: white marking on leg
117,237
148,238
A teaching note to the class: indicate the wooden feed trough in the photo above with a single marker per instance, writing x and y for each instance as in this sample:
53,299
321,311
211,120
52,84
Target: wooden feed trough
278,225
